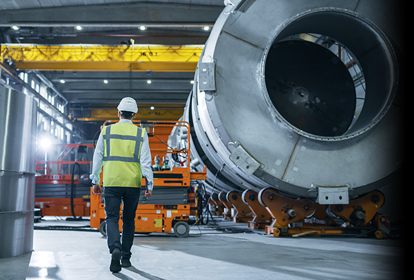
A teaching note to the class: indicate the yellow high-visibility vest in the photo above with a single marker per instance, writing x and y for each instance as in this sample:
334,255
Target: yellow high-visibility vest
122,152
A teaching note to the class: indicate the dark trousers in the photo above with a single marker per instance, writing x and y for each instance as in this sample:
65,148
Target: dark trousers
113,197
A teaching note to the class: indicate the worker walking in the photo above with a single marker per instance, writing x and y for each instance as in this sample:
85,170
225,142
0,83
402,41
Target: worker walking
123,150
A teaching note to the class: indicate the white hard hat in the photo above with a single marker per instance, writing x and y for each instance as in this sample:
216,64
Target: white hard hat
128,104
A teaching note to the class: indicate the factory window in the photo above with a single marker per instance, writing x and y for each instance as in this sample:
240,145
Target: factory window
67,137
60,107
42,105
57,130
52,126
43,91
46,125
25,79
62,134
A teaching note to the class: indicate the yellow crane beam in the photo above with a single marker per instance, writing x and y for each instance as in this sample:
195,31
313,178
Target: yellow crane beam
143,114
156,58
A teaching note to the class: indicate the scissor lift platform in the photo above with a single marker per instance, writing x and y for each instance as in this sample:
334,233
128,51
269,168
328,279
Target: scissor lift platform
169,207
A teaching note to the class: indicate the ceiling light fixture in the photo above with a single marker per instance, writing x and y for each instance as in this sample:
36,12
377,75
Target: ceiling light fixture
78,27
152,108
142,27
62,81
206,28
105,81
148,81
192,82
14,27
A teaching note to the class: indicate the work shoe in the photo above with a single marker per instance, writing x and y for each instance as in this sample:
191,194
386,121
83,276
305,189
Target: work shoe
125,262
116,257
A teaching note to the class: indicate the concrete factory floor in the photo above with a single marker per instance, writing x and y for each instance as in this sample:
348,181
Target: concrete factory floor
213,254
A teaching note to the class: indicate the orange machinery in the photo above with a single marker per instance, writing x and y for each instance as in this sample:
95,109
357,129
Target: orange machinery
173,198
243,213
289,216
219,206
53,191
261,217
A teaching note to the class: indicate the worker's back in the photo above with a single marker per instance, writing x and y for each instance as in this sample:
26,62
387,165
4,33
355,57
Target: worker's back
122,149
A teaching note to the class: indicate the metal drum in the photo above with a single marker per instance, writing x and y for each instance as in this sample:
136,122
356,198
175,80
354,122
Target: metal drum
18,120
273,106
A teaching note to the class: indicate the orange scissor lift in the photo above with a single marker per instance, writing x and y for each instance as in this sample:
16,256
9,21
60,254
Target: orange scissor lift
173,199
53,190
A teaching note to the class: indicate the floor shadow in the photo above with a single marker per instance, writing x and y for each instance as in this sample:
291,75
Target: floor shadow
143,273
274,254
122,276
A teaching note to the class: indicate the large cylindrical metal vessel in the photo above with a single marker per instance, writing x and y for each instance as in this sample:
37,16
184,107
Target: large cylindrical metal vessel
297,95
18,115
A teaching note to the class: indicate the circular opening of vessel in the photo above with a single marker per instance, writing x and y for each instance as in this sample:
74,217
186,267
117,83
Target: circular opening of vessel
330,74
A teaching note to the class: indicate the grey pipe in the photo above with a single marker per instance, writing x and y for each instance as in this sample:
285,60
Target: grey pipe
271,111
18,113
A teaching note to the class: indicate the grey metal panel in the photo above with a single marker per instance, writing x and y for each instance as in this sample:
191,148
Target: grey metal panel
62,191
169,196
17,131
165,195
16,233
249,25
241,93
115,15
16,191
206,76
6,5
292,160
17,167
22,4
167,201
357,162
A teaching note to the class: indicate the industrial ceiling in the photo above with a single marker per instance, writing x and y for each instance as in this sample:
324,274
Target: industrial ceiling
178,25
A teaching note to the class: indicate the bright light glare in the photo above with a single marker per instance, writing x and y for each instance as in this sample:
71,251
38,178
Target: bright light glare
142,27
43,272
152,108
206,28
149,81
105,81
14,27
45,143
192,82
62,81
78,27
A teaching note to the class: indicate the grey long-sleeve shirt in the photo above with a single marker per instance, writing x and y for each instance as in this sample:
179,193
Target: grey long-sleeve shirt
145,160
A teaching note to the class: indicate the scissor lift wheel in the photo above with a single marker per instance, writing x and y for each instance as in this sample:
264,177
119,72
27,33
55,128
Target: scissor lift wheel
102,228
181,229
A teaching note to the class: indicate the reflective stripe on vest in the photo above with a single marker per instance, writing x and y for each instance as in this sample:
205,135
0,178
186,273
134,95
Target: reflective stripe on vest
122,152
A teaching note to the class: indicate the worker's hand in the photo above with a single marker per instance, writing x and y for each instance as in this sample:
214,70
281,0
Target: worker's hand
148,193
97,189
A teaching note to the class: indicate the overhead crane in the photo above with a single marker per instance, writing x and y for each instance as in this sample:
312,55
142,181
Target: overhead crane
123,58
162,113
85,57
